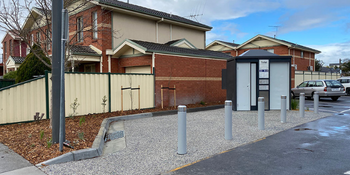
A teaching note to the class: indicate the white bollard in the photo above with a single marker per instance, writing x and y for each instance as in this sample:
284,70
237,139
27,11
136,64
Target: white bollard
316,102
302,105
228,119
181,130
261,113
283,108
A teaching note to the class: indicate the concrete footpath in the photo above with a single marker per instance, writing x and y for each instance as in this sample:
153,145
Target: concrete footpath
318,147
12,164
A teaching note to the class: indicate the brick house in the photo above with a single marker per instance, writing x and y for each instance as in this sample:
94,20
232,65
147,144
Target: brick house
14,52
118,37
303,58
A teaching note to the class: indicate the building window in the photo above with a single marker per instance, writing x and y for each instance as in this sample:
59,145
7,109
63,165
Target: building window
80,29
5,49
38,37
271,50
302,54
32,40
94,25
11,47
48,36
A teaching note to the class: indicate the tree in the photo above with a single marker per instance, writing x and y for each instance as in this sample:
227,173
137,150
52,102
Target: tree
13,16
32,66
345,67
11,75
318,64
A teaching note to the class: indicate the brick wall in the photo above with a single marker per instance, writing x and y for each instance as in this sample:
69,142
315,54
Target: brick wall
188,75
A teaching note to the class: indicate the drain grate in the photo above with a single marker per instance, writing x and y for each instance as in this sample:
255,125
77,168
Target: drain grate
301,129
114,135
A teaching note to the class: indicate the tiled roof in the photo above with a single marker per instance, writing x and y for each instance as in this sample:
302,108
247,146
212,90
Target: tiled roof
257,53
76,49
164,48
172,42
18,60
230,44
151,12
296,45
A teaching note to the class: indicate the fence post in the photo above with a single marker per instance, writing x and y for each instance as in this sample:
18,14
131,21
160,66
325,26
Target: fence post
261,110
139,97
174,96
161,95
228,119
302,104
316,101
181,130
47,94
121,89
283,108
109,93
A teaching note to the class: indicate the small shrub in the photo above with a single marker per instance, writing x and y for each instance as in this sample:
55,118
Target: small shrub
294,104
81,120
81,135
74,106
49,142
202,103
41,134
11,75
104,100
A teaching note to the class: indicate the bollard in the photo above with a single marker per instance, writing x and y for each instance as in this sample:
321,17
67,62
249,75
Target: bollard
181,130
283,108
316,101
302,104
261,110
228,119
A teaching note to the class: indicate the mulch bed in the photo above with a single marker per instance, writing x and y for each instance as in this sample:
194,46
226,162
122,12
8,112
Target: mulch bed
32,140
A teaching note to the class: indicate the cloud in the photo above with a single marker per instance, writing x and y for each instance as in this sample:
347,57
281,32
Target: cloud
225,32
303,15
331,53
211,10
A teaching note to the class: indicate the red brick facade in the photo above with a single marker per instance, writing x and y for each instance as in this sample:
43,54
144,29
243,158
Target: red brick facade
12,47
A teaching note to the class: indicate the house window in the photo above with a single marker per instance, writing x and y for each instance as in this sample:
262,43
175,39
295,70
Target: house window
11,47
80,29
5,49
38,37
271,50
48,36
32,40
94,25
302,54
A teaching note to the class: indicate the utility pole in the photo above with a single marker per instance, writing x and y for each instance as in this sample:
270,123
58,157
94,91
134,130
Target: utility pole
57,6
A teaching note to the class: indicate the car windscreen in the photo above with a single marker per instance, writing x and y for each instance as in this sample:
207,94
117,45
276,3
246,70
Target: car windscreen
333,83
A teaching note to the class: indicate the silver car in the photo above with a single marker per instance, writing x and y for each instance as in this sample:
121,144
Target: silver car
325,88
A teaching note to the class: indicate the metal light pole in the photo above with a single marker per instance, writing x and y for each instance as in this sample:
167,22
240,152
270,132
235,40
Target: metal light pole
57,6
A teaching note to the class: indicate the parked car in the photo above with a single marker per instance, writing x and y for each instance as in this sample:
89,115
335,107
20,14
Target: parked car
325,88
345,81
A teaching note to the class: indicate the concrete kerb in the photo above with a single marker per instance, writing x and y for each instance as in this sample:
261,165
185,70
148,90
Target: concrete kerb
99,142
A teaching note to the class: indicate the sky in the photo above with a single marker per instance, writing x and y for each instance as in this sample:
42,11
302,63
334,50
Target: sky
320,24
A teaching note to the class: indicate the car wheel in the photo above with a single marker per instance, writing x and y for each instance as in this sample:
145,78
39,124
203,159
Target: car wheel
348,91
292,95
334,98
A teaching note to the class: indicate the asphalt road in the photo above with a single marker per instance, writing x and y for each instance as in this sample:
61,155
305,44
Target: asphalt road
342,105
319,147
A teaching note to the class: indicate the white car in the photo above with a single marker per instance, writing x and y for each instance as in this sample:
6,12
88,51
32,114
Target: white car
345,81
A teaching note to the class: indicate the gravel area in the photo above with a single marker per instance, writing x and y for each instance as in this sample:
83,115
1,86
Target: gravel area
152,142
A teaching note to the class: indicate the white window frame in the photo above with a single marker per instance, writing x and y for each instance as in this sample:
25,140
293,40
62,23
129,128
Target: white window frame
302,54
94,25
48,36
32,38
38,37
80,28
